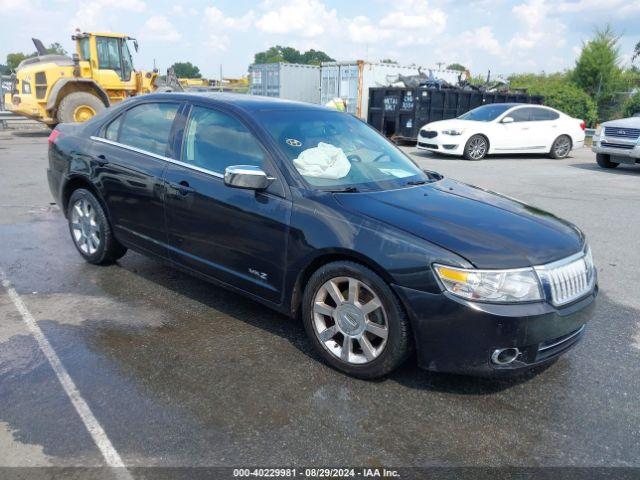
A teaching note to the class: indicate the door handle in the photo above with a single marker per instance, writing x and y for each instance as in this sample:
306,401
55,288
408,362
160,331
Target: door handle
183,188
101,160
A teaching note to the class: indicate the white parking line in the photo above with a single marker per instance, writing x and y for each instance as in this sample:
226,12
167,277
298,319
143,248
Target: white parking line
111,456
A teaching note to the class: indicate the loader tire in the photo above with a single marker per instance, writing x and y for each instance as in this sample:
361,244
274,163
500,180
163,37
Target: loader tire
79,107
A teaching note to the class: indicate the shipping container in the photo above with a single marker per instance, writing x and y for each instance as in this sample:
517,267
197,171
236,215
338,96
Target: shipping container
351,81
400,113
290,81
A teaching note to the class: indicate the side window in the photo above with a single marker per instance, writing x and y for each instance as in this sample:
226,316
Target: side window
84,48
108,54
519,115
215,140
542,114
111,132
148,126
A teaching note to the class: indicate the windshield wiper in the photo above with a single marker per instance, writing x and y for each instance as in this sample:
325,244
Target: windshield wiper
416,182
344,190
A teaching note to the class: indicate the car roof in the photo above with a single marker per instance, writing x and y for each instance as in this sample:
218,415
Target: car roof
248,103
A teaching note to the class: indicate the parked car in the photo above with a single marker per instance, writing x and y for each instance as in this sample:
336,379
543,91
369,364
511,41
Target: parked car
314,214
504,128
617,141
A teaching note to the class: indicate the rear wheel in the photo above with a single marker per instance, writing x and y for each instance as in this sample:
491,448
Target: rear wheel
604,161
90,230
79,107
561,147
476,148
355,321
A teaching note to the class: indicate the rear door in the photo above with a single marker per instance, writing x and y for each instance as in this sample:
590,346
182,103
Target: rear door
233,235
546,126
133,150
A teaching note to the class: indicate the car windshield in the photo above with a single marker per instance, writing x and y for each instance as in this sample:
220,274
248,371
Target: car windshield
485,113
335,151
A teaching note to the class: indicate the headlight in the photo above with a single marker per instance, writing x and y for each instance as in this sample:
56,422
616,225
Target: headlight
453,131
598,130
521,285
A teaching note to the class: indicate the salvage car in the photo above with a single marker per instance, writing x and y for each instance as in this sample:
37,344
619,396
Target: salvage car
502,128
616,142
314,214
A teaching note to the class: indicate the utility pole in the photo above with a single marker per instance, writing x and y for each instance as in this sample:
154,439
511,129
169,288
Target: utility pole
439,64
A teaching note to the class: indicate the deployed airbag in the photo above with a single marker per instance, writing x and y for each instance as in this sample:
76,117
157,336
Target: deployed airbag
323,161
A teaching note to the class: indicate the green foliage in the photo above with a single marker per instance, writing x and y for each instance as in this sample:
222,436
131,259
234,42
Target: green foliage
636,52
14,59
598,71
56,48
291,55
559,92
631,106
389,60
186,70
4,70
457,66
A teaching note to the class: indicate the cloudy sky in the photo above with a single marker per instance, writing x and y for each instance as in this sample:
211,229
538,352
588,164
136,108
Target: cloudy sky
505,36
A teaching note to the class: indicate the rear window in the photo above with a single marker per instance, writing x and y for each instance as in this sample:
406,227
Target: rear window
541,114
146,127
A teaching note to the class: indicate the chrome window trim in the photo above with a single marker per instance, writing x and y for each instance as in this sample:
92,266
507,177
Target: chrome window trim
159,157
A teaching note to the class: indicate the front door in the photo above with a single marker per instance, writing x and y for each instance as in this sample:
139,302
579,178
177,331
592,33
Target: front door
131,153
233,235
517,135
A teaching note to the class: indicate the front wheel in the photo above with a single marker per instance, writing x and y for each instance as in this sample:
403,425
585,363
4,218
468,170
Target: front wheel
604,161
355,321
560,148
476,147
79,107
90,230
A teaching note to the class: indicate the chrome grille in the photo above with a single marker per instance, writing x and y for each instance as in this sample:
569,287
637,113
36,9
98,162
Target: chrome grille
623,146
568,279
622,132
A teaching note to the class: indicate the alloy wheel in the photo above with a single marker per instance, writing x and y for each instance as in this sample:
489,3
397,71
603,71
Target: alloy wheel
477,148
349,320
562,147
85,227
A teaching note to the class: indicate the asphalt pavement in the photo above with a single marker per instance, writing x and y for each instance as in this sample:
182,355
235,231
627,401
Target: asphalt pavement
177,372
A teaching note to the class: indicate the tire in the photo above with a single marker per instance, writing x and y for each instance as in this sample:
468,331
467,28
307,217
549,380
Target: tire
561,147
385,327
90,229
476,147
604,161
79,107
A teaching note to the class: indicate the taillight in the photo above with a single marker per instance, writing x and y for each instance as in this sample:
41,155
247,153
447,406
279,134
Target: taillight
583,125
53,136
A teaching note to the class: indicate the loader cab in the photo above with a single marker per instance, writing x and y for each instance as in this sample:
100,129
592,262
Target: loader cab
106,58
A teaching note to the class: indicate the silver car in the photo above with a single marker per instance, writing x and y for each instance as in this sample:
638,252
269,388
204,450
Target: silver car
617,141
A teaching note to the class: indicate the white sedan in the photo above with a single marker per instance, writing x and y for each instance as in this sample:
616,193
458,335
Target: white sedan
504,128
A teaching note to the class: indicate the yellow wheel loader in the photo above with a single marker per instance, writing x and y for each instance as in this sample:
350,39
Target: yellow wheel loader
60,89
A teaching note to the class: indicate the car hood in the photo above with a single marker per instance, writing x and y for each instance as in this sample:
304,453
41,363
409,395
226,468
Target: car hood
445,124
632,122
487,229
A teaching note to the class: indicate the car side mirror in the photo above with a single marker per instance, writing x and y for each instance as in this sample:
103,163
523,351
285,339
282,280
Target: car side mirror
507,120
246,176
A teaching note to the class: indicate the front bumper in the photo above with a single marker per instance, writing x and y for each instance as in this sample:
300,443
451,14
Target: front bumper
617,154
446,144
456,336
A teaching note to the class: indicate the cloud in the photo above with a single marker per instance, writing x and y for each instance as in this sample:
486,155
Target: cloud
481,38
158,28
217,20
617,8
92,15
541,27
305,18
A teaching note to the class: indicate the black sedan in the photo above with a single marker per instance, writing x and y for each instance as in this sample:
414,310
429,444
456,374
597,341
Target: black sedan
312,213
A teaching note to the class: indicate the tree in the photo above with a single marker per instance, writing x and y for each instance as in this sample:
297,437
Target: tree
597,69
559,92
632,106
457,66
56,48
636,52
389,60
186,70
291,55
